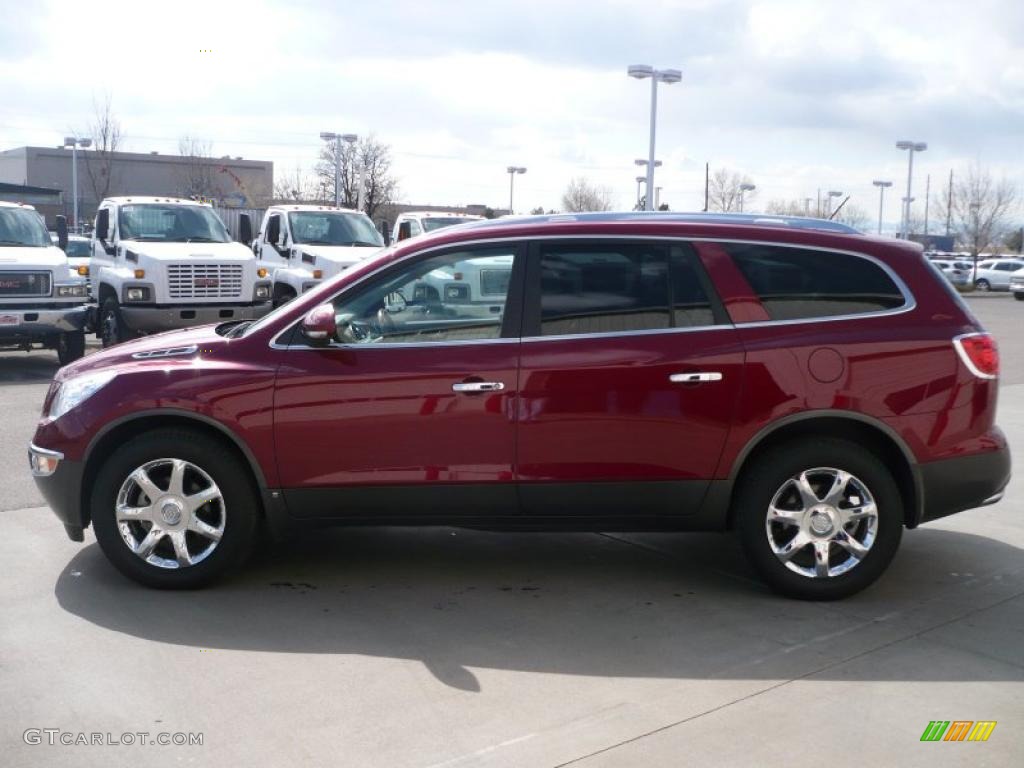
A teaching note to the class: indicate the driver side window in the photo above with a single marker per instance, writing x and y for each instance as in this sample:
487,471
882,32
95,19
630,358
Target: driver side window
457,296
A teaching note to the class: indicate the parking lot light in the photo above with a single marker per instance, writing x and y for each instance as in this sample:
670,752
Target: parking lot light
828,201
74,142
744,188
911,147
512,171
337,138
667,76
882,186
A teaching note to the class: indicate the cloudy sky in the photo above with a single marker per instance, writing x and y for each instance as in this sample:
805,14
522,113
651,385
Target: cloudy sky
797,94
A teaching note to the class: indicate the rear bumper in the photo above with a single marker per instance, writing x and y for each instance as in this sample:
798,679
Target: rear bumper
38,324
169,318
964,482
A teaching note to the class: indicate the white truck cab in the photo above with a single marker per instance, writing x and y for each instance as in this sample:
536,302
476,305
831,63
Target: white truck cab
300,245
415,223
163,263
42,301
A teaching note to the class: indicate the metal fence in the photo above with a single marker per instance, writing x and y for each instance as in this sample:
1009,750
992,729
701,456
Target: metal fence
231,217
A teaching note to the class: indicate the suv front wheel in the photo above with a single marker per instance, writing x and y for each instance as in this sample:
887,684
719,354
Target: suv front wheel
173,509
820,519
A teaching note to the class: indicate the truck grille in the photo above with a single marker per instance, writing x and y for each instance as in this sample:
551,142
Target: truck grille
24,284
205,281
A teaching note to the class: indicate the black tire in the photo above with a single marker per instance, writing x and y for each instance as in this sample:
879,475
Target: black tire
70,347
112,329
983,285
761,481
1019,296
239,507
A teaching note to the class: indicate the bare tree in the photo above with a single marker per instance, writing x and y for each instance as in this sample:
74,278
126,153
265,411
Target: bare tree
295,187
105,132
854,216
197,177
979,209
381,187
786,208
724,190
581,196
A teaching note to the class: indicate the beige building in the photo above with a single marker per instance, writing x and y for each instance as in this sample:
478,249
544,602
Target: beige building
226,181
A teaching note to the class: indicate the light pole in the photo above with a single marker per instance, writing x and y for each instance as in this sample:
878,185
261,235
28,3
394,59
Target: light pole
882,186
639,182
828,201
337,138
74,142
744,188
512,171
975,208
912,147
667,76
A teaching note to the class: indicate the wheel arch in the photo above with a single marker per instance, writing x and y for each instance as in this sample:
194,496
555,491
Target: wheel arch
881,439
125,428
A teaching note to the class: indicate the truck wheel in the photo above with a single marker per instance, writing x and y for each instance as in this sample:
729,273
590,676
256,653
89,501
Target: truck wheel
1018,296
172,509
819,518
112,329
282,295
70,347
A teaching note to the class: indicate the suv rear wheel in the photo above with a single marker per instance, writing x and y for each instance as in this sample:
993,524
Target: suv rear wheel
820,519
173,509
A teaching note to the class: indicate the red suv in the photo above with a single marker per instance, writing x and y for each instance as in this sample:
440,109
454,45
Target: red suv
814,389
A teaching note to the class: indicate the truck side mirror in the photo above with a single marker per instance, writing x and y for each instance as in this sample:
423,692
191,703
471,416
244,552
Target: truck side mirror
62,232
404,230
102,225
273,229
385,232
244,228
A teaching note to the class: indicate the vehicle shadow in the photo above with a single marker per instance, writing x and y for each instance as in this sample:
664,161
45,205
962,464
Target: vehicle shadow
666,606
28,367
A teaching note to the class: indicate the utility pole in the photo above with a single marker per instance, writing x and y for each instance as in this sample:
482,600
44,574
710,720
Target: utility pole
927,196
949,202
707,184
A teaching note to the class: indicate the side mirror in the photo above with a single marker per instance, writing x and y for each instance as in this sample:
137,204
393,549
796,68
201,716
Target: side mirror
273,230
404,230
385,232
102,224
319,326
244,229
62,232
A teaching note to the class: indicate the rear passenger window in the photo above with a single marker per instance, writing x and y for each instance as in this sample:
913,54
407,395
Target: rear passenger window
618,288
794,283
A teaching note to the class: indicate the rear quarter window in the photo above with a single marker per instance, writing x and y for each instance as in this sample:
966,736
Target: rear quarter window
801,283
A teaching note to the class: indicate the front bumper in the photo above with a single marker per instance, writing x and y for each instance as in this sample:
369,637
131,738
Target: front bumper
964,482
36,324
61,487
171,317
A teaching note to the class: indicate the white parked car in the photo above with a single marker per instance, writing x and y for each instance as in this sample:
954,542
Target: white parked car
300,245
995,274
415,223
957,272
163,263
42,301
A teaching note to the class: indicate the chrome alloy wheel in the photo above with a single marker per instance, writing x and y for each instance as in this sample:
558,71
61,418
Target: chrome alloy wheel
822,522
170,513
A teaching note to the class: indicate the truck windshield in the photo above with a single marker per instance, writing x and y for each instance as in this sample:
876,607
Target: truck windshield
22,226
171,223
327,228
437,222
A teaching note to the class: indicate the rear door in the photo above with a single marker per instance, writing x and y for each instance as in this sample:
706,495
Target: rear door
630,375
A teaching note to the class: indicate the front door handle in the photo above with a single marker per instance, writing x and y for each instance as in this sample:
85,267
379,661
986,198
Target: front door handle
695,378
478,386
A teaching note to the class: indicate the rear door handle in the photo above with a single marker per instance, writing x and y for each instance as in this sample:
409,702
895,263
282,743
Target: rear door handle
478,386
695,378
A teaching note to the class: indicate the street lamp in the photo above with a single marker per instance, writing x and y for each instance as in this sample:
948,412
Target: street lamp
74,142
828,201
639,181
882,186
744,188
667,76
912,147
337,138
512,171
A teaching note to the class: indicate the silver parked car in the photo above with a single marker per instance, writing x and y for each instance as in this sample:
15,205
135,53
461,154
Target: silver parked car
995,274
957,272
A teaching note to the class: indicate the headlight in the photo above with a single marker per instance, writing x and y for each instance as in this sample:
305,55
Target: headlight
79,289
138,293
76,391
263,291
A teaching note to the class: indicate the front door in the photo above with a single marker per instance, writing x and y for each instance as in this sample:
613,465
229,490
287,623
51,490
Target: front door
409,412
629,377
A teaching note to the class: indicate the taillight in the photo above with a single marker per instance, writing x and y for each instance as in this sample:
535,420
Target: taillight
979,353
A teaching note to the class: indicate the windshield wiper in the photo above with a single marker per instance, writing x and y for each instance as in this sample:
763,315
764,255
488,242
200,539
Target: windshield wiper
203,240
362,242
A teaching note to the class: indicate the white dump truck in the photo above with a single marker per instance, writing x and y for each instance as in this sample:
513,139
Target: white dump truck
163,263
42,300
303,244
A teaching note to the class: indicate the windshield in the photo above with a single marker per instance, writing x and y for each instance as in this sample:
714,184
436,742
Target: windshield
172,224
437,222
23,226
328,228
78,248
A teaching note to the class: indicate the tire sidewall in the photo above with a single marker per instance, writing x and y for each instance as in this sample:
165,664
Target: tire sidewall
70,347
110,309
766,477
231,477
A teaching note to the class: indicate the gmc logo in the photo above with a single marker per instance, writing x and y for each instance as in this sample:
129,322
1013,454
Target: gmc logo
206,282
9,284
